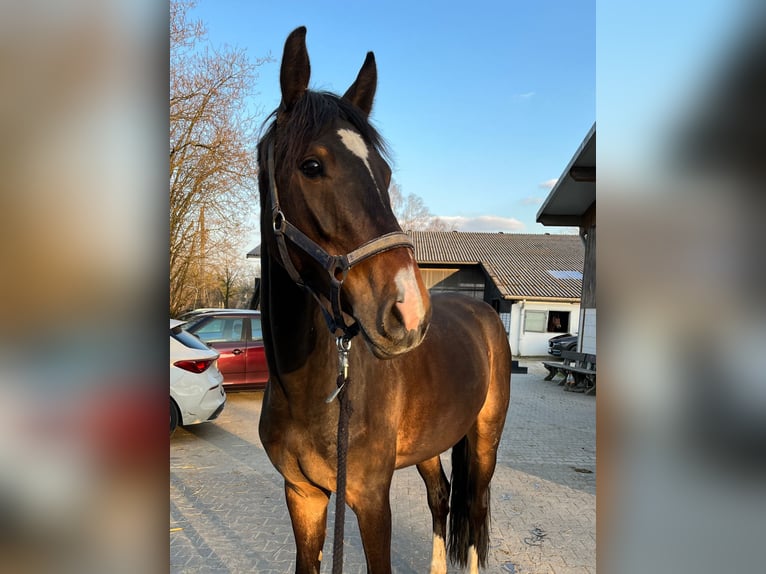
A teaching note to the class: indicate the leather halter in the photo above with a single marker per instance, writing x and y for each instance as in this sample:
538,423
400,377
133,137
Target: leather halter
336,266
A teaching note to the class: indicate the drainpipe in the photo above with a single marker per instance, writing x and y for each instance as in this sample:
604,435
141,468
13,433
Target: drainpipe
520,330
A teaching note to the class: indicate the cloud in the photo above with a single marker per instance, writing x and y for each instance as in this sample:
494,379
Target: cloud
525,95
532,201
548,184
486,223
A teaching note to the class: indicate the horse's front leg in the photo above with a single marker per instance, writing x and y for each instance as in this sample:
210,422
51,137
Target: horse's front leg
371,504
307,505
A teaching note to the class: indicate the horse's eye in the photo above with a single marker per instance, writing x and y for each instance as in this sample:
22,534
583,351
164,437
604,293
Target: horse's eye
311,168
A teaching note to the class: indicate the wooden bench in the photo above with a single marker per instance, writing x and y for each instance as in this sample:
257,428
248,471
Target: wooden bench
581,366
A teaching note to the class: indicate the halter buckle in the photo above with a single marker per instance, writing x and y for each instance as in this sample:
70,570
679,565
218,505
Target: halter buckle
340,268
279,223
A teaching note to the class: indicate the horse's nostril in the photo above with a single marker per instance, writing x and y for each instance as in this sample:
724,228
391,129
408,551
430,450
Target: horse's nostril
407,315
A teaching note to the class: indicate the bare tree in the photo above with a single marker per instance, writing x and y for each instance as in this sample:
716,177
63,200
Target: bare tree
233,282
412,213
212,155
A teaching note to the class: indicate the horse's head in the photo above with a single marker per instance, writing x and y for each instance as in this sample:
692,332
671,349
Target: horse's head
326,213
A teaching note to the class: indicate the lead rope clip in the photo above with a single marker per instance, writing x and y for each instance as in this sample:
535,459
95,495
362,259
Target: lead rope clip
344,346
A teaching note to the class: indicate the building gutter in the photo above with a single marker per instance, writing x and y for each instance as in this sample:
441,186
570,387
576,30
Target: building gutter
542,299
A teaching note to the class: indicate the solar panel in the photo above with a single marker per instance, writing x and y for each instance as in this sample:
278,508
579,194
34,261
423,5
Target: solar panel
565,274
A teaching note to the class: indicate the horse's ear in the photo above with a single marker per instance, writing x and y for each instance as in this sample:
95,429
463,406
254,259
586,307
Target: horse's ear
362,91
296,70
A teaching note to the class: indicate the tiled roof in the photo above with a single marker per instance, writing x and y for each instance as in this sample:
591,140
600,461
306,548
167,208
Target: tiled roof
521,265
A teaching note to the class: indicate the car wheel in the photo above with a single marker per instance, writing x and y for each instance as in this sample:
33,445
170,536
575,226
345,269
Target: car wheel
572,347
174,416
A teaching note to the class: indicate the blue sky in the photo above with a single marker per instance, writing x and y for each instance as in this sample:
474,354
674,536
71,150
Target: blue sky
482,103
657,61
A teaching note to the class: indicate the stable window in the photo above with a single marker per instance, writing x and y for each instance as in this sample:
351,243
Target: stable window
534,321
558,321
546,321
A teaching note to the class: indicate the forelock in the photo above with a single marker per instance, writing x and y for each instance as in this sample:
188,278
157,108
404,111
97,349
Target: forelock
310,115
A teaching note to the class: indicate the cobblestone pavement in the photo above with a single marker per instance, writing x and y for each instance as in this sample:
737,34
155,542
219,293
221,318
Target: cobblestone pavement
227,510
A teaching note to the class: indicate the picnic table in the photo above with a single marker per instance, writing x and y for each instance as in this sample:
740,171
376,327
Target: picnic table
578,370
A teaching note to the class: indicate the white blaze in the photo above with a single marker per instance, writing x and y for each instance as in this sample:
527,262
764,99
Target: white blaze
409,294
355,144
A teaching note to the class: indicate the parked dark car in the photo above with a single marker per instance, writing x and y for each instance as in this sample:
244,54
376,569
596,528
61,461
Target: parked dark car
236,334
565,342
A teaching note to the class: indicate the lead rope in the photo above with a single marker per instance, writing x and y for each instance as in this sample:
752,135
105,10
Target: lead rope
344,414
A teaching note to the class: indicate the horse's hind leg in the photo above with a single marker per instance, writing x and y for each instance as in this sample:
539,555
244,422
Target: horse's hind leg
473,464
307,505
483,442
483,452
437,487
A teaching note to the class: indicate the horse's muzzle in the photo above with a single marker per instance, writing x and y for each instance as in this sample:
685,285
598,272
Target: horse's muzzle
402,320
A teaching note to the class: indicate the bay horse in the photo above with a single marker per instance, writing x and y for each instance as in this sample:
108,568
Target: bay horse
432,373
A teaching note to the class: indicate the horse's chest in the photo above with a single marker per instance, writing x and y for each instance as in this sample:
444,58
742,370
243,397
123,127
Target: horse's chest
302,452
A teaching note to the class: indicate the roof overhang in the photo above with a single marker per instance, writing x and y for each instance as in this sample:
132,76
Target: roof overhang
575,191
541,299
254,253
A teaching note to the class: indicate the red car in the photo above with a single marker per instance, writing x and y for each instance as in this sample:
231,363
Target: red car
236,335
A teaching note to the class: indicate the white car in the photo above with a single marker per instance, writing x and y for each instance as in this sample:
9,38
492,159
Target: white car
196,384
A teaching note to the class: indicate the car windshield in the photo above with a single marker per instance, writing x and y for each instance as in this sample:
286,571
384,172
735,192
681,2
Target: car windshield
187,339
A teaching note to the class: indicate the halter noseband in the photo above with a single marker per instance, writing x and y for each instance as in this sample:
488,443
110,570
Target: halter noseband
337,266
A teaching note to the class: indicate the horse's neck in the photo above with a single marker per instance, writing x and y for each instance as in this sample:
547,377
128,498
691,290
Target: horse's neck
295,330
